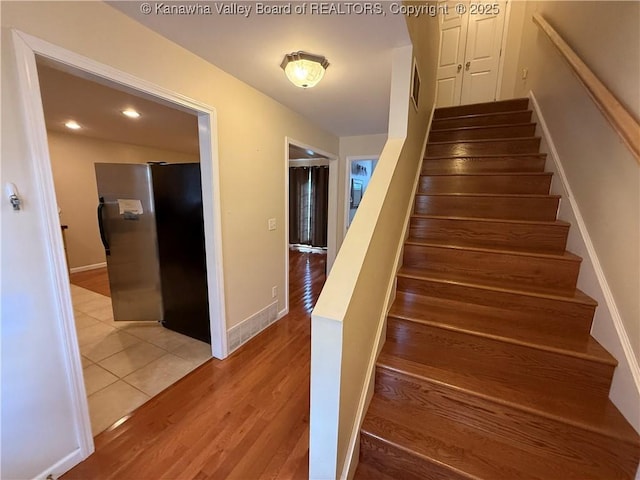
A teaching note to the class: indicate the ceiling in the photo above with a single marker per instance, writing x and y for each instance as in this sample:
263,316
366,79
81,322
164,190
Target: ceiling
97,107
353,97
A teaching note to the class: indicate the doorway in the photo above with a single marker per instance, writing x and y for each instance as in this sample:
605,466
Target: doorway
469,61
27,48
358,175
127,355
310,206
308,203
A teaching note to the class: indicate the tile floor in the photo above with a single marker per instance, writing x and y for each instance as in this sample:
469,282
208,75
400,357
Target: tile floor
127,363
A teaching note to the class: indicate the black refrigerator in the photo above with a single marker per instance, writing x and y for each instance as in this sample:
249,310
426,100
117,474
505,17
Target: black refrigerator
151,226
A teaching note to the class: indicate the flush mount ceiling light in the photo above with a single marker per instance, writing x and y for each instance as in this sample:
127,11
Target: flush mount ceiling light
131,113
303,69
73,125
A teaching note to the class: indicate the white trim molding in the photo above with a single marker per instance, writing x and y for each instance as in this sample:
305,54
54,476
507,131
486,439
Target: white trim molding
87,268
207,129
29,93
608,327
26,48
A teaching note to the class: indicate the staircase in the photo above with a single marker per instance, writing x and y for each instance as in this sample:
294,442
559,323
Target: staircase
489,370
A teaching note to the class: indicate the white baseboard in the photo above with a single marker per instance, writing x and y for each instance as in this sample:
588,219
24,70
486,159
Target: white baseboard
607,326
86,268
62,466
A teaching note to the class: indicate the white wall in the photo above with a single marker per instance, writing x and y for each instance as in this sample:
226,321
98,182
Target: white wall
601,173
37,407
604,176
72,162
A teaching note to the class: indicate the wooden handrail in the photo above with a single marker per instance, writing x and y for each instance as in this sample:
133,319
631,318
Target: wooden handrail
621,120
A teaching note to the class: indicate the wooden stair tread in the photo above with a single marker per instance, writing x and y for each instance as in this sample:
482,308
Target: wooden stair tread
503,106
460,451
543,236
536,371
504,196
364,471
481,156
486,140
558,404
483,320
494,220
479,117
565,256
514,129
578,296
513,163
467,451
489,174
476,116
481,127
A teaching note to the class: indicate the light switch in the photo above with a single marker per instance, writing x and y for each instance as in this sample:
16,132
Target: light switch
272,224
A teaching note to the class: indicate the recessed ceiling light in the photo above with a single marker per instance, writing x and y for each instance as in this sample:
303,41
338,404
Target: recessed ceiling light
73,125
131,113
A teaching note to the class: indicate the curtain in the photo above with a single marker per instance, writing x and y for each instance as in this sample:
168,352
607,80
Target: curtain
320,201
308,205
298,185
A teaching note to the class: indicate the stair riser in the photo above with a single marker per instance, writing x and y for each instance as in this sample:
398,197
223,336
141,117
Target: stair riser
513,208
466,148
517,104
399,463
534,370
504,164
510,131
509,118
500,184
550,238
551,315
501,269
505,423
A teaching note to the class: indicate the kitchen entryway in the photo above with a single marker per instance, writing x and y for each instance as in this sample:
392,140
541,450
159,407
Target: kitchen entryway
124,363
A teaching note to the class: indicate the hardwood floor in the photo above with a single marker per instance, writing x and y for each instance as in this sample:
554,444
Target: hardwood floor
95,280
246,417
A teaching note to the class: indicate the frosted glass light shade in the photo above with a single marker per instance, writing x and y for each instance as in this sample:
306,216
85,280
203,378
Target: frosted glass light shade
304,70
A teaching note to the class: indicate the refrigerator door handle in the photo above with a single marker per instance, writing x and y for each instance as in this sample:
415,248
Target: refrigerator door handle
103,233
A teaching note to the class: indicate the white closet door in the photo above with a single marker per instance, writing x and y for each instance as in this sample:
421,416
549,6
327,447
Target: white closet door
453,36
482,54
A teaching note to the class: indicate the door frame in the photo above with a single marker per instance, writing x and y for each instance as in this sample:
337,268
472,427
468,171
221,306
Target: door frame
26,47
332,211
347,186
503,46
